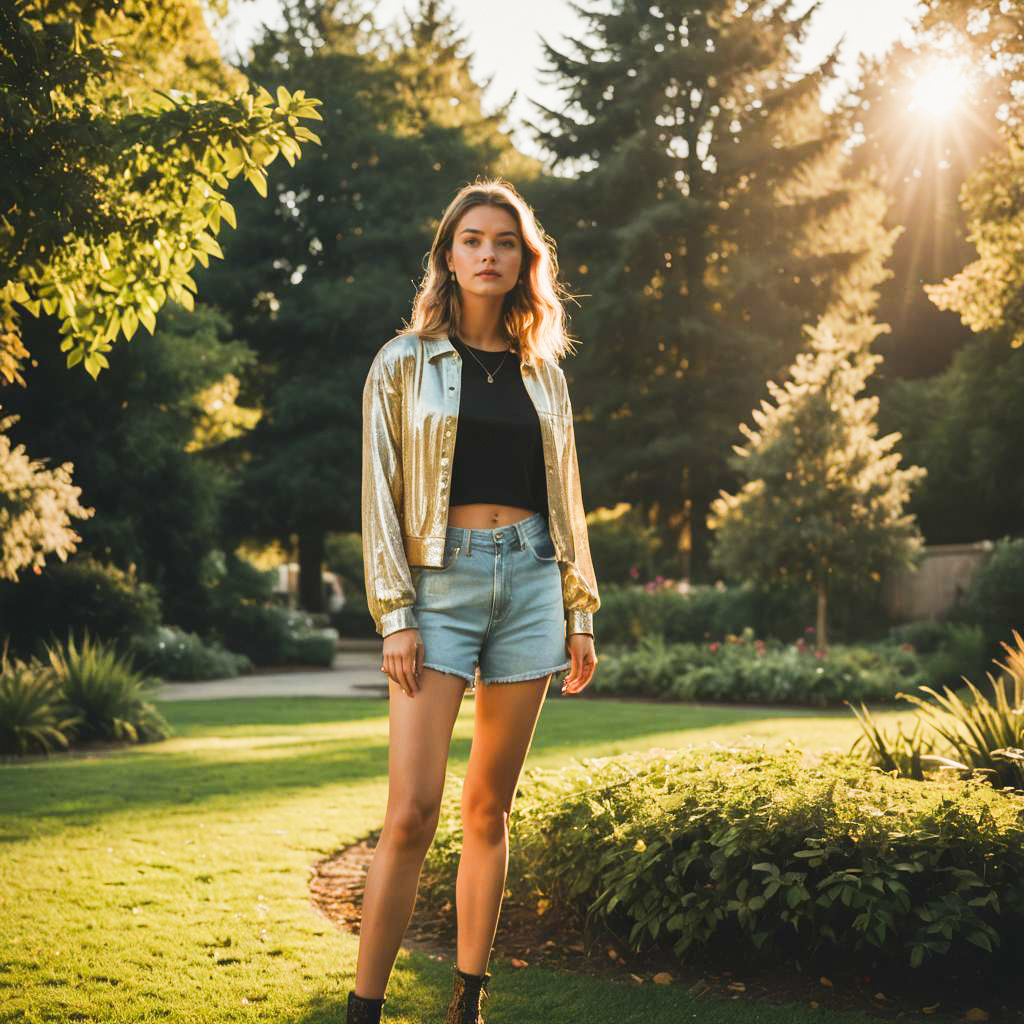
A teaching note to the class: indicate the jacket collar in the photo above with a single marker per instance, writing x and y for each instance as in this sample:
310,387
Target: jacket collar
435,346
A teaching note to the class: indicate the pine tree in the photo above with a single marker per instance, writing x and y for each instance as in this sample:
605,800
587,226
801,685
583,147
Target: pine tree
432,61
824,497
708,220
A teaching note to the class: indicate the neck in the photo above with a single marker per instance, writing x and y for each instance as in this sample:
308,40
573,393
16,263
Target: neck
481,325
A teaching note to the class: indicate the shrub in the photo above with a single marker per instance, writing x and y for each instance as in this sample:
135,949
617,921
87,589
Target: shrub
995,598
312,647
743,852
103,693
271,635
746,670
171,653
30,716
630,613
623,547
984,737
232,580
949,650
926,636
79,595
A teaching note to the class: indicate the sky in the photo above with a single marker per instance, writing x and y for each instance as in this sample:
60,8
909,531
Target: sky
505,39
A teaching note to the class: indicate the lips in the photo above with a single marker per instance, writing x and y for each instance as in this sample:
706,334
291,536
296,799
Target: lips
488,273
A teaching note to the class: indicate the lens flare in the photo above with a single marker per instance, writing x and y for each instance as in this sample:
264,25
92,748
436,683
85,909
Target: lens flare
940,90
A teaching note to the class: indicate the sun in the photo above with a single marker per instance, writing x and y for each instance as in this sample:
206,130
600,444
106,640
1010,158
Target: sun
939,90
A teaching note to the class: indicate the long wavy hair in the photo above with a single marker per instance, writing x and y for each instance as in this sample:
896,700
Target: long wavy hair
533,314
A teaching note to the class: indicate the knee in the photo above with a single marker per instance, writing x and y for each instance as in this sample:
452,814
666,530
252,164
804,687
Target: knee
484,817
412,825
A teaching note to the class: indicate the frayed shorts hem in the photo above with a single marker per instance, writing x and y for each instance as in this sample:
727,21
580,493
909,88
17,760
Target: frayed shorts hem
449,671
523,676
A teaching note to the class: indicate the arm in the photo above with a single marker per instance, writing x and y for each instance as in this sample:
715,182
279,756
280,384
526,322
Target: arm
579,583
390,593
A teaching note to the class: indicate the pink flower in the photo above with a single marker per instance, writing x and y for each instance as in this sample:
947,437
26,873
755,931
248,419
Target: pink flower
634,572
649,587
809,630
714,646
819,653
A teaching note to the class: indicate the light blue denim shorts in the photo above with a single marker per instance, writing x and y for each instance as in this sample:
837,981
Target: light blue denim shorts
496,602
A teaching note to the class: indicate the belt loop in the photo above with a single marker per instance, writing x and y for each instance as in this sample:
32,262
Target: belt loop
520,535
467,540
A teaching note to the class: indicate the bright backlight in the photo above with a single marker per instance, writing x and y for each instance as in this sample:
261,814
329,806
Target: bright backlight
940,90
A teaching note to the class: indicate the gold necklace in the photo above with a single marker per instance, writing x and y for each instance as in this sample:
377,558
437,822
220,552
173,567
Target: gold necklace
490,373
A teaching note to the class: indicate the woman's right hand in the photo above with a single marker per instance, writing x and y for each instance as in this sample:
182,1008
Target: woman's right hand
403,659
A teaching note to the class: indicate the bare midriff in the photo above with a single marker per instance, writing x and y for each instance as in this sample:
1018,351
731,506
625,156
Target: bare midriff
485,517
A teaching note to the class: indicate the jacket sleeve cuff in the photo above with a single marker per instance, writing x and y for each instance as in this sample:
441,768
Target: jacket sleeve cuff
579,622
400,618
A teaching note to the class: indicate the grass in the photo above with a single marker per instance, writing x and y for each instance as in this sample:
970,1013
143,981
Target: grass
169,881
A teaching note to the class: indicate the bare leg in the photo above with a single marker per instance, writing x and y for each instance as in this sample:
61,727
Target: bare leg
506,716
419,737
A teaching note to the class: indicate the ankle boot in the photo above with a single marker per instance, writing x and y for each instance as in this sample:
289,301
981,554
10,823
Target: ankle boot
363,1011
469,991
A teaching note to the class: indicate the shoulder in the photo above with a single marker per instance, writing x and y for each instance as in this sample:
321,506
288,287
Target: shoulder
396,349
393,355
550,372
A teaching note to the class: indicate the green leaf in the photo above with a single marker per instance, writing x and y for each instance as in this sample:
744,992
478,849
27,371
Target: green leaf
257,179
148,318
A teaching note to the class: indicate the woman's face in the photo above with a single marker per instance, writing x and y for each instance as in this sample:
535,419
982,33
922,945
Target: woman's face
487,252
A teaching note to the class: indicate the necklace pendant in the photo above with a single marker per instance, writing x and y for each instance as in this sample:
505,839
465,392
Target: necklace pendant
490,379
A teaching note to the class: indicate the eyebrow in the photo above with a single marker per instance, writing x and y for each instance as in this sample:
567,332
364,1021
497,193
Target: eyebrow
477,231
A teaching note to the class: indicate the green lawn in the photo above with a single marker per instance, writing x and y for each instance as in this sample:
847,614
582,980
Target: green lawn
169,881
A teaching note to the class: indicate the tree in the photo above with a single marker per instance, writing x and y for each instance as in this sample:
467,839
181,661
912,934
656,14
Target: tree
922,161
432,61
150,451
112,194
36,506
987,292
965,425
823,502
710,218
317,280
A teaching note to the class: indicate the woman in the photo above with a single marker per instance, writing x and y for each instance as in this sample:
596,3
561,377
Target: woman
477,563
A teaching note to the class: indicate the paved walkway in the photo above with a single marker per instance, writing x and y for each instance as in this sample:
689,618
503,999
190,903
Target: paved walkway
355,673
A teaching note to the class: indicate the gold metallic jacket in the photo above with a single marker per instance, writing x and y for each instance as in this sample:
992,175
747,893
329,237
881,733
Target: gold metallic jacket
410,419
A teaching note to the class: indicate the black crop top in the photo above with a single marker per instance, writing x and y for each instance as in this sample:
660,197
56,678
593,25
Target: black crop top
499,457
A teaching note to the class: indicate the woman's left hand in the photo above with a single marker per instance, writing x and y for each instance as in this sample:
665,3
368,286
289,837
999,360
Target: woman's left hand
584,662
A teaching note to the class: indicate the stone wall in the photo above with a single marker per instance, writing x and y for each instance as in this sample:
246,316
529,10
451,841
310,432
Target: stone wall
941,578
